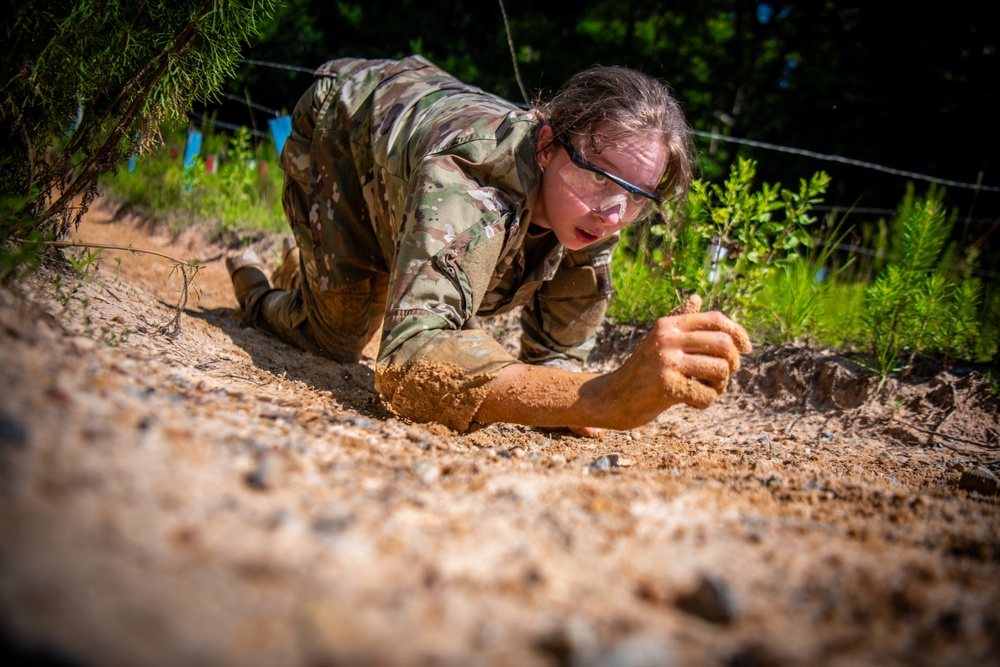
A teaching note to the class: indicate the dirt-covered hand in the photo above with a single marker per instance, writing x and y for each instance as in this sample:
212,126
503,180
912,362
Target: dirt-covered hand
683,359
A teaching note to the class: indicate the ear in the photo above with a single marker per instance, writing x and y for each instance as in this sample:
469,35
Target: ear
545,146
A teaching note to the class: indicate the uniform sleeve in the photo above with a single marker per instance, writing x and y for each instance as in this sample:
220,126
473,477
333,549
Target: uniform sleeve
558,326
451,237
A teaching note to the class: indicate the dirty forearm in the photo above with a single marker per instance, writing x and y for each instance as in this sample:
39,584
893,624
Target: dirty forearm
542,396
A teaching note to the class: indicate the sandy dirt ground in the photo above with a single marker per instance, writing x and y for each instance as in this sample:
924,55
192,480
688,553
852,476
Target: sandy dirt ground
218,498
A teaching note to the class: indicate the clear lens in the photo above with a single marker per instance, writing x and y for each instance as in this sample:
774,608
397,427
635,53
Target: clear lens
603,195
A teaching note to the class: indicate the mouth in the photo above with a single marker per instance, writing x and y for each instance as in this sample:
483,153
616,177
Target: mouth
585,236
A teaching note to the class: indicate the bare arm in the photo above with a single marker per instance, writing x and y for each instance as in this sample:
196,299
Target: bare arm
683,359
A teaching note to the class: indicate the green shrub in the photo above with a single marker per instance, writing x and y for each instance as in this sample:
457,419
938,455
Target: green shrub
749,253
735,242
917,305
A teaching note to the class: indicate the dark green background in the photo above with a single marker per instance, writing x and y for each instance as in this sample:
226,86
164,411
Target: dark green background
880,82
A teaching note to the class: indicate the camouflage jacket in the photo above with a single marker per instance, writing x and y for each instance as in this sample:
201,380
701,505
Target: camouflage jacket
449,175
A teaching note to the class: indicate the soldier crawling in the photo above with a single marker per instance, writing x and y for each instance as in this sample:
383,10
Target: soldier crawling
419,203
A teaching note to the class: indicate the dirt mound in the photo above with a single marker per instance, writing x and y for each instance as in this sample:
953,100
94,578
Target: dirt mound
216,497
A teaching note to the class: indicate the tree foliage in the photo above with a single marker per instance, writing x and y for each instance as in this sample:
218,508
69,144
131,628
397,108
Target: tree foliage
860,79
88,82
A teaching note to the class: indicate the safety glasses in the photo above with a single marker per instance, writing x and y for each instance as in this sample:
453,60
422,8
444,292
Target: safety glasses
605,194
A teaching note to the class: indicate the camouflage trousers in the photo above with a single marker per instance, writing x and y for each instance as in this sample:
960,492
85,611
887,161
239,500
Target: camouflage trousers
304,308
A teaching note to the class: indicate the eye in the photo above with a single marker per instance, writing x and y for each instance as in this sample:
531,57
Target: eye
636,200
596,179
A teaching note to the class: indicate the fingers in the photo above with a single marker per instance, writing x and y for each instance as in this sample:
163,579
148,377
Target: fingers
587,431
713,370
713,344
716,321
697,394
689,307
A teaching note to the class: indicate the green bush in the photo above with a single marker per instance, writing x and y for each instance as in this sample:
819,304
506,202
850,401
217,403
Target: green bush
735,241
917,305
749,253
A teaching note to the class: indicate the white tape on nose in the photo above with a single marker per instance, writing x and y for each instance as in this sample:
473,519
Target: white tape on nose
612,205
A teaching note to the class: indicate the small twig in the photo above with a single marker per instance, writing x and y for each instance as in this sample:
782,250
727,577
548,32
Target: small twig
249,380
941,423
964,452
984,445
173,327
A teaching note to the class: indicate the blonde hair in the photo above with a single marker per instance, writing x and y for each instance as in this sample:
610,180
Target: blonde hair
630,103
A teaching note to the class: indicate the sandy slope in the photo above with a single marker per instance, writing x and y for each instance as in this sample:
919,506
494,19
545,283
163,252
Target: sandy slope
217,498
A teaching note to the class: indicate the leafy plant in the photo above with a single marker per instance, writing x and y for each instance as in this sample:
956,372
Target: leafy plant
747,240
735,241
916,305
86,83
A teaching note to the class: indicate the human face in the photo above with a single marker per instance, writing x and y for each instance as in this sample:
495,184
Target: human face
580,215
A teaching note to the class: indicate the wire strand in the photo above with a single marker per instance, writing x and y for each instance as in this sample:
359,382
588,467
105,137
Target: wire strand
227,126
846,160
293,68
513,56
710,135
259,107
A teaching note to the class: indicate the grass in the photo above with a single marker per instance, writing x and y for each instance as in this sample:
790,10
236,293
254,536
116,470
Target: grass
243,193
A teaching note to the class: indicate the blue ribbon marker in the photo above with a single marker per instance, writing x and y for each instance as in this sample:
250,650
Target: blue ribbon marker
280,127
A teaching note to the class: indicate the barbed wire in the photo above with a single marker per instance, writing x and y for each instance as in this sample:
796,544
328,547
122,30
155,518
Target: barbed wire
757,144
259,107
845,160
293,68
228,126
867,210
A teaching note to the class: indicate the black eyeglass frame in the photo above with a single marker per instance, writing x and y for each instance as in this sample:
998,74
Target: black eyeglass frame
579,161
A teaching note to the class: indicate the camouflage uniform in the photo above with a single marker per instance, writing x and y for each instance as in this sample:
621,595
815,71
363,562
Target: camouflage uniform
410,193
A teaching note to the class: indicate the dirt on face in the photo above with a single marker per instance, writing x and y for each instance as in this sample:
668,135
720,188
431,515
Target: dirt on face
217,497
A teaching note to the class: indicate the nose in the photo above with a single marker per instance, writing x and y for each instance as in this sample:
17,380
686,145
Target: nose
610,216
612,209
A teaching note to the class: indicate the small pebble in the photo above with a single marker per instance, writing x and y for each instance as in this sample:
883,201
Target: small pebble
981,480
603,464
428,473
764,439
572,644
710,600
647,650
361,422
265,475
517,452
12,434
